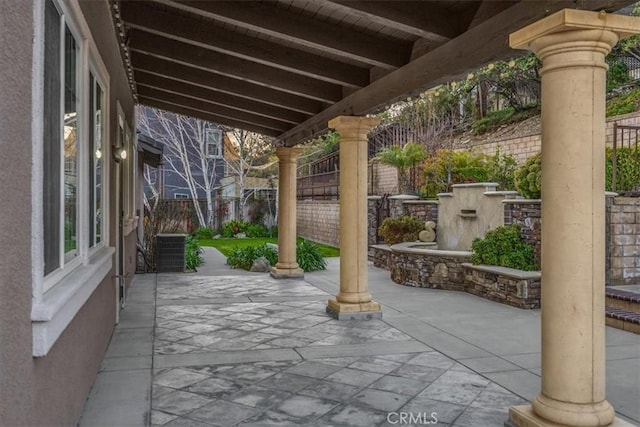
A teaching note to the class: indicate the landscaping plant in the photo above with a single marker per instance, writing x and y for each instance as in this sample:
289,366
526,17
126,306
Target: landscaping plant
528,178
243,257
398,230
308,256
193,254
504,247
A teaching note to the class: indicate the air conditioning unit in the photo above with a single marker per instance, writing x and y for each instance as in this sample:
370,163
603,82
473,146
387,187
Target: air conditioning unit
171,253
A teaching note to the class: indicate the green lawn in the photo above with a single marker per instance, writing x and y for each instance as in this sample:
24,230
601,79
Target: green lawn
226,245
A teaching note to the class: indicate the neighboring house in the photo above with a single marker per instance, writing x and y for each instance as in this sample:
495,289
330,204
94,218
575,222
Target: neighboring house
256,191
197,141
69,154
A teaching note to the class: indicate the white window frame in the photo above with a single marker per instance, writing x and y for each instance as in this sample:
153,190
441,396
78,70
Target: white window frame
59,296
207,135
182,196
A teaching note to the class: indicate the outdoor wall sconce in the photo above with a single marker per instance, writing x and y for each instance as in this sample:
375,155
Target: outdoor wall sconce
119,153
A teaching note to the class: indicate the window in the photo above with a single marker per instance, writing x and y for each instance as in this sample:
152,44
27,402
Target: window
180,196
96,162
73,144
213,141
61,135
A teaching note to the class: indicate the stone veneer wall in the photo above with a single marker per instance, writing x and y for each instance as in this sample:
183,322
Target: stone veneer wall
520,290
319,220
425,210
623,241
527,214
428,271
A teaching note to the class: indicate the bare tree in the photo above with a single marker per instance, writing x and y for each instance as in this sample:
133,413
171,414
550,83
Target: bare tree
185,154
251,151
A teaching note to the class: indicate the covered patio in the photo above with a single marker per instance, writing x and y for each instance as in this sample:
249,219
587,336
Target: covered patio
291,69
235,348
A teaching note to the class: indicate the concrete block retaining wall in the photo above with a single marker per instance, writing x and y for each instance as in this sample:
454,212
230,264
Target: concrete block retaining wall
319,220
624,241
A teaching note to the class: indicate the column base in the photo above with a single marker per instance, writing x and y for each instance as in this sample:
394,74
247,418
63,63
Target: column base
361,311
523,416
287,273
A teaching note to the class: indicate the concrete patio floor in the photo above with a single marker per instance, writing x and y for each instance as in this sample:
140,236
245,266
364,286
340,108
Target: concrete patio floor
224,347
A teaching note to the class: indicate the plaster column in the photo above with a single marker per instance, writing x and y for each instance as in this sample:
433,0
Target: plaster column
354,299
572,45
287,267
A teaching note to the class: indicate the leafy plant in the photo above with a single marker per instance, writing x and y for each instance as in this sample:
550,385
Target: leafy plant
233,227
403,229
243,257
450,167
502,169
193,253
309,257
627,169
617,75
494,119
504,247
624,104
528,177
256,230
403,158
204,233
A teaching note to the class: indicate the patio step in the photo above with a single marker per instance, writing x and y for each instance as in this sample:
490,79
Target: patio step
622,310
622,299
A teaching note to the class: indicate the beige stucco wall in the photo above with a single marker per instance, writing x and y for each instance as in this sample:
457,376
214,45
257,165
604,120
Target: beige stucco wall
49,390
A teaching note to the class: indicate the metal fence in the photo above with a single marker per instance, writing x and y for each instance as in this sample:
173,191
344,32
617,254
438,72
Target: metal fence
625,159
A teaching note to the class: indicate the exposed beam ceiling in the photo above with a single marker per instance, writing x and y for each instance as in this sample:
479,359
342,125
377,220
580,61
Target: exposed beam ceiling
192,31
284,68
302,30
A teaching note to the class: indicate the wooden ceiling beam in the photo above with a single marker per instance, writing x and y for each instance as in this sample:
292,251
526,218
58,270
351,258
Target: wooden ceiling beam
219,98
439,65
426,20
302,30
207,107
223,84
230,66
176,109
187,30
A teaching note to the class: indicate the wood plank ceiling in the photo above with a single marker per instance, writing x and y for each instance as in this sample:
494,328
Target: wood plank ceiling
284,68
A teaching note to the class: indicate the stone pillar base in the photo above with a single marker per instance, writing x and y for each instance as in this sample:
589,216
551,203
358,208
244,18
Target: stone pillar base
523,416
287,273
361,311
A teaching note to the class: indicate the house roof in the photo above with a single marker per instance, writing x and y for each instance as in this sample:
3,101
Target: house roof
283,68
150,149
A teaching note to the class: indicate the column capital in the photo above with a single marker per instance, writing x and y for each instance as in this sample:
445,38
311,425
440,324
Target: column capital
353,125
567,20
288,153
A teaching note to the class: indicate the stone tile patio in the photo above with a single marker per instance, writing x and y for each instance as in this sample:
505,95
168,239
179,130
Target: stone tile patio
378,373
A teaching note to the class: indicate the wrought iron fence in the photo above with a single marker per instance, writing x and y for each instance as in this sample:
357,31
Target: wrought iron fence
623,161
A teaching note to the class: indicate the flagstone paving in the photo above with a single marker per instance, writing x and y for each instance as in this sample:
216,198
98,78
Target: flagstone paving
254,351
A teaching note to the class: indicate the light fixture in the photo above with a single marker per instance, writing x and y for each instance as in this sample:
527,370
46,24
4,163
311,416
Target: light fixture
119,153
98,154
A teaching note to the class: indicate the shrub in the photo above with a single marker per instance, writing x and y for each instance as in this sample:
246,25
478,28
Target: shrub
243,257
528,177
233,227
308,256
403,229
627,169
449,167
273,231
193,253
625,104
502,169
256,230
505,248
204,233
